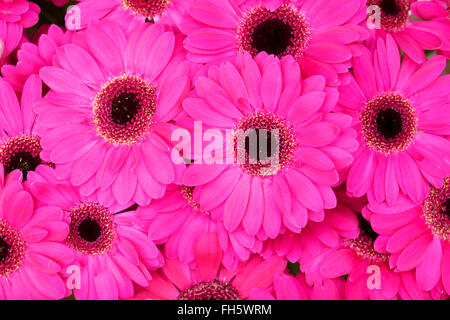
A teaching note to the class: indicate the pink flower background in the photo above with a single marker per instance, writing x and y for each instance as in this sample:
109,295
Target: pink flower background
98,200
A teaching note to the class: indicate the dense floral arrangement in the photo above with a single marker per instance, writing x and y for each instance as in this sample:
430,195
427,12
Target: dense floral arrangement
224,149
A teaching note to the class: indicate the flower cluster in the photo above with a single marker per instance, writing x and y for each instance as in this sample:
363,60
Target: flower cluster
224,149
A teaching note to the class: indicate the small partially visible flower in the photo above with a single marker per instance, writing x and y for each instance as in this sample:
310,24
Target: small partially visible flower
178,220
32,57
20,147
109,247
128,12
288,287
33,255
413,37
321,35
418,236
208,279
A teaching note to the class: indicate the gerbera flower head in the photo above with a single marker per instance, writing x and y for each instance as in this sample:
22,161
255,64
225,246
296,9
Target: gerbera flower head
208,279
32,57
289,287
365,263
417,236
413,37
131,13
400,112
178,220
321,234
110,248
437,12
320,35
264,102
107,130
20,147
32,252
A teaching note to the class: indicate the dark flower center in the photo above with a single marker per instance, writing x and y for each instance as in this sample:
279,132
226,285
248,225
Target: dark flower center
266,144
124,107
447,208
263,144
210,290
4,249
366,229
89,230
389,7
21,153
272,36
389,123
284,31
436,210
24,161
12,249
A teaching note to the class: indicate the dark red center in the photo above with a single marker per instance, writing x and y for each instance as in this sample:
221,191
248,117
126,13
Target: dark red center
89,230
389,123
4,250
273,36
124,107
389,7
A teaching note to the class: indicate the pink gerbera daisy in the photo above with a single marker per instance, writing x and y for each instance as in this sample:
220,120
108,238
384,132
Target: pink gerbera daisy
208,279
22,12
266,101
178,221
103,121
438,13
109,247
369,275
11,35
413,37
32,251
327,233
127,11
418,236
32,57
320,34
20,147
288,287
400,112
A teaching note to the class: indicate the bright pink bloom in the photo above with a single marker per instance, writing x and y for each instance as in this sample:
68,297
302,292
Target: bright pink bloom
104,121
32,57
417,236
177,221
32,251
400,112
320,34
208,279
22,12
20,148
109,247
288,287
438,13
265,97
413,37
325,233
127,11
365,264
